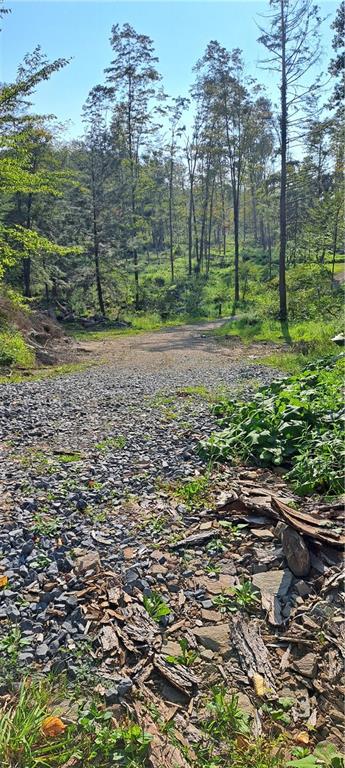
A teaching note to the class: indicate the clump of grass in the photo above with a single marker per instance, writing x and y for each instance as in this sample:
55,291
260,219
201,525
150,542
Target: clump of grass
109,443
95,739
14,352
194,493
15,377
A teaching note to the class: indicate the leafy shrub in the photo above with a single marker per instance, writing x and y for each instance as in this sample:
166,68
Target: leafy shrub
296,423
14,351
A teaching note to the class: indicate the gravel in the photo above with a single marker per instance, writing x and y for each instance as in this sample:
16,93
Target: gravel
83,459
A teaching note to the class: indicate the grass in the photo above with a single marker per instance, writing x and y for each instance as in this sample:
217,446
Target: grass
32,735
47,724
14,351
303,341
17,377
193,493
109,443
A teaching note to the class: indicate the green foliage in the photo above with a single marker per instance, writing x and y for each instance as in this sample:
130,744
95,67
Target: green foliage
193,492
244,596
296,423
14,350
187,657
94,740
324,756
108,443
155,606
12,643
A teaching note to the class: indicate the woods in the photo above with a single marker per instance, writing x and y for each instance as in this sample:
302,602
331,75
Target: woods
217,200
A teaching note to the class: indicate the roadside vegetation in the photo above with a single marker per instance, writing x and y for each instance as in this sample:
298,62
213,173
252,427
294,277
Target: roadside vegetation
296,423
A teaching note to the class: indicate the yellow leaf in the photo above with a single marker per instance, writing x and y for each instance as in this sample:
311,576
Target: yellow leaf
52,726
302,738
259,685
3,581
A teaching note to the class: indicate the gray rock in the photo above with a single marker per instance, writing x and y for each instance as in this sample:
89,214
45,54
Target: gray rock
296,552
42,651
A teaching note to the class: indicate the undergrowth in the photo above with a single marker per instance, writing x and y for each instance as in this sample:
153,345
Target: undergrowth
14,351
296,423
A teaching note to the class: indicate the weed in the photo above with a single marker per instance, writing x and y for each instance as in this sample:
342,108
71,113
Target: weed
233,530
110,443
187,657
155,606
193,492
243,596
68,458
12,643
40,561
45,525
93,740
14,350
216,547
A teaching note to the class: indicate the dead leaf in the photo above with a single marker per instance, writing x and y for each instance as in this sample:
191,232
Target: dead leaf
3,581
52,727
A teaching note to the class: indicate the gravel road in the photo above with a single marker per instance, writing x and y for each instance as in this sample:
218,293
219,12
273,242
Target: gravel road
77,450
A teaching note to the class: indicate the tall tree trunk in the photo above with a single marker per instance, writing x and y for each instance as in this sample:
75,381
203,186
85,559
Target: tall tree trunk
335,242
27,259
171,242
283,174
236,210
96,240
255,218
190,229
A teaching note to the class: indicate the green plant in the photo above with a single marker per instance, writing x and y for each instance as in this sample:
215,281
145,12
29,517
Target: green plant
233,530
295,423
68,458
193,492
226,719
11,643
324,756
215,547
14,350
187,657
243,596
155,606
45,525
21,742
108,443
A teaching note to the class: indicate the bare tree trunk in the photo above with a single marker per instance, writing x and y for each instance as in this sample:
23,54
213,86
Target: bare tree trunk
171,242
96,241
283,174
236,209
255,218
27,259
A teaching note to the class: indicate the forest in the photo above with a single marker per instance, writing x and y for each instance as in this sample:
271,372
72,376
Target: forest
238,213
172,362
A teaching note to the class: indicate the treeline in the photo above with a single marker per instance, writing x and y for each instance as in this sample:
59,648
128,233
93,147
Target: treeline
184,187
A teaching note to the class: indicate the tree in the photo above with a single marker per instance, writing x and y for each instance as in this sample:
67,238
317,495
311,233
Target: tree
293,44
23,141
337,65
97,142
221,79
132,78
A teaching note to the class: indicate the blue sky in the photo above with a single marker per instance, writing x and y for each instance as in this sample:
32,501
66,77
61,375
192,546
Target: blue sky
180,31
